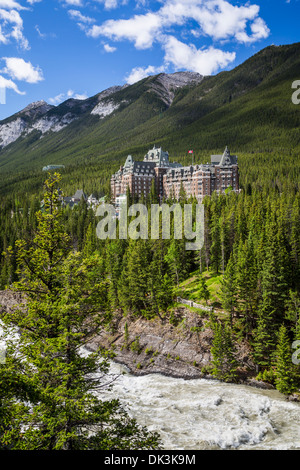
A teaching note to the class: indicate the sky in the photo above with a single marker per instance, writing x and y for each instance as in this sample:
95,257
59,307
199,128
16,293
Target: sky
53,50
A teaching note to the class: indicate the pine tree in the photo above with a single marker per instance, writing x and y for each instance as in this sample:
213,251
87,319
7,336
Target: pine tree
216,249
66,306
203,291
224,363
160,286
284,373
264,341
228,290
133,284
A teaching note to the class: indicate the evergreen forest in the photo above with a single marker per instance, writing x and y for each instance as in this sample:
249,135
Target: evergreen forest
73,282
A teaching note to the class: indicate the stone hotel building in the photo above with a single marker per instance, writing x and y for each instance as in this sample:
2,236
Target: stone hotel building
197,180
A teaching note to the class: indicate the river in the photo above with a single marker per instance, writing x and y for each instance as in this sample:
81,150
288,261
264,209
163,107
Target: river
206,414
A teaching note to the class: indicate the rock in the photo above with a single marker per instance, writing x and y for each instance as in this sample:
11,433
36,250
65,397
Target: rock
259,384
294,397
9,300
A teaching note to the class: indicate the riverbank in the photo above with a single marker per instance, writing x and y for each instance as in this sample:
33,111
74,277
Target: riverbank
178,345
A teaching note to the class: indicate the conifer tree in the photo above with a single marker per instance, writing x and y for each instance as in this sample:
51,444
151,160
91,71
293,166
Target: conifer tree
284,368
203,291
263,341
65,307
224,363
228,290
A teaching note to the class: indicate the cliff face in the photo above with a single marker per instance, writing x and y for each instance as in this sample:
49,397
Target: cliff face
178,345
157,346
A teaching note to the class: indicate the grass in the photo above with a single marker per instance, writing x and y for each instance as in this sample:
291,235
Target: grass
190,288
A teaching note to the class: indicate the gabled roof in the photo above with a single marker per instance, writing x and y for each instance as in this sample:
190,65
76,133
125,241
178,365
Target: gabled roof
79,195
224,160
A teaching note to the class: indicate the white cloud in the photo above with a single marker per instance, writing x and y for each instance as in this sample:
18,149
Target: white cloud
3,38
11,4
109,48
218,19
138,73
76,3
65,96
80,96
141,29
18,69
110,4
204,61
57,99
78,16
11,25
6,84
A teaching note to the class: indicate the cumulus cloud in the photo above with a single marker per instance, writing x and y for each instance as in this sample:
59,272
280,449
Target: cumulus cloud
204,61
11,4
65,96
19,69
110,4
218,19
9,84
109,48
78,16
138,73
11,25
141,29
32,2
76,3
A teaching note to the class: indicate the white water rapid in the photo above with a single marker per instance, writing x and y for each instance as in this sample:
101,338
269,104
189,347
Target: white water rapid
206,414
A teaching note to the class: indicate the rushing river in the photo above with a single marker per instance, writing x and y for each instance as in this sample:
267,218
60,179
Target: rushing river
206,414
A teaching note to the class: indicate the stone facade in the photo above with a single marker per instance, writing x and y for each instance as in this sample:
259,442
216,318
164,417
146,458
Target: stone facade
170,178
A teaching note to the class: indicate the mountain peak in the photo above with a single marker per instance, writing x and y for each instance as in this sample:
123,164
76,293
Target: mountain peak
165,84
35,109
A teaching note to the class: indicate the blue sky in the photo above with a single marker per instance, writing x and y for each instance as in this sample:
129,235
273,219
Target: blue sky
55,49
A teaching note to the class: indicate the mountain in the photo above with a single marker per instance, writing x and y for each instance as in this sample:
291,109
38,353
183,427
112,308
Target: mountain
248,108
44,118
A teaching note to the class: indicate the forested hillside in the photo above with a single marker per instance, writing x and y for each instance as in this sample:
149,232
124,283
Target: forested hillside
249,109
252,239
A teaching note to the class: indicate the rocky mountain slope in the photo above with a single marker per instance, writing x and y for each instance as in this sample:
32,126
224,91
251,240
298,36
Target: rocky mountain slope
248,108
44,118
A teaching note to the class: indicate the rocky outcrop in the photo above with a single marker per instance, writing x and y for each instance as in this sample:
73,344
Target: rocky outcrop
9,300
158,346
166,85
178,345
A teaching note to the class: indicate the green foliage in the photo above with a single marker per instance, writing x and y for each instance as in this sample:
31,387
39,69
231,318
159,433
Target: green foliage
224,363
284,368
252,239
203,291
51,402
